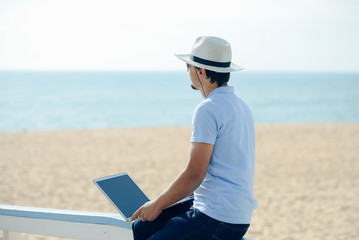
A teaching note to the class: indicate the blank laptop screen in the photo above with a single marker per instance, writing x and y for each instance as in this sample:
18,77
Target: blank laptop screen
123,192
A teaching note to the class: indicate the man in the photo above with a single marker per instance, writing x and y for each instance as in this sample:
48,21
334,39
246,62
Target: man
220,170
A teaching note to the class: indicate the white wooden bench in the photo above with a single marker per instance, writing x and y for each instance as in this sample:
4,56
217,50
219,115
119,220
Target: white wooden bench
15,220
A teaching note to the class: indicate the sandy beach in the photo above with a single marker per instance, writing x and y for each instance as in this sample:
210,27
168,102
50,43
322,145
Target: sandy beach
307,175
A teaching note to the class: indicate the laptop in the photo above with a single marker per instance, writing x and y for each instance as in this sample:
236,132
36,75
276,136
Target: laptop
124,193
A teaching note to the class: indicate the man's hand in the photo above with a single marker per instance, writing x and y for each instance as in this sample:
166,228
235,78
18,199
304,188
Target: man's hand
148,212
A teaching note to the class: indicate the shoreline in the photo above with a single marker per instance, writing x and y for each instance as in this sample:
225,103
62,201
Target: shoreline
306,173
169,126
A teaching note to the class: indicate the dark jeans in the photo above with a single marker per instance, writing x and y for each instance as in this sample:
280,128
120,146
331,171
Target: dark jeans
183,222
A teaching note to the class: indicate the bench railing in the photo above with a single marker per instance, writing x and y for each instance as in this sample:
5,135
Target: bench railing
62,223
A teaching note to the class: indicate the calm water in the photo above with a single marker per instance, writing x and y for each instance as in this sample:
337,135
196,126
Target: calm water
73,100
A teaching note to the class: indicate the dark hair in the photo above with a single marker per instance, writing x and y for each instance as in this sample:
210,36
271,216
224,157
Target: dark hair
219,78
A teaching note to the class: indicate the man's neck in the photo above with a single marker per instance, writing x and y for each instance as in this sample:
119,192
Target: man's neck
210,88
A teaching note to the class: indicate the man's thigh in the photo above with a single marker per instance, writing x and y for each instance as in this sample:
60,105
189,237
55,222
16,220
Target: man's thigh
189,225
144,230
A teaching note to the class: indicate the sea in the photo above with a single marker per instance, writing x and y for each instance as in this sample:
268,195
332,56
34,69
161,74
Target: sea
33,101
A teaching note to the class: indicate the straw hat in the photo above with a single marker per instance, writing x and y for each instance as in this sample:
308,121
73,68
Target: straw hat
211,53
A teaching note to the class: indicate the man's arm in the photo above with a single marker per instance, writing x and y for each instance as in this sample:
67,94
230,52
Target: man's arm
185,184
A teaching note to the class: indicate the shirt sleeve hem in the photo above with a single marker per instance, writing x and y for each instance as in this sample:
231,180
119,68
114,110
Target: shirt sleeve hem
202,140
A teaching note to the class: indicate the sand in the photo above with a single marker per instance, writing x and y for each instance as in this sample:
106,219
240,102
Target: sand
307,175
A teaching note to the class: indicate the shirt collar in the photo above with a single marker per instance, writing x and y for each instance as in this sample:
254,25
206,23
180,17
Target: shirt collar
225,89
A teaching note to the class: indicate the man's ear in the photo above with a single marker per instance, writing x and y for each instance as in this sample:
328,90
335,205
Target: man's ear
203,72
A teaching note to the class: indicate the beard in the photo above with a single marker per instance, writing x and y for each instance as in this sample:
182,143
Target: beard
193,87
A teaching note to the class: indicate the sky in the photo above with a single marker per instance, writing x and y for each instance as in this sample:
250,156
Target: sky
143,35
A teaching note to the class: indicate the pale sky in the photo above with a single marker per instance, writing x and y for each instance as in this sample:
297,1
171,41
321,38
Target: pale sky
116,35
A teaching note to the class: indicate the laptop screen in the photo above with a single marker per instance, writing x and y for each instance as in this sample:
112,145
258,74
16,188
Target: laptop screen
123,193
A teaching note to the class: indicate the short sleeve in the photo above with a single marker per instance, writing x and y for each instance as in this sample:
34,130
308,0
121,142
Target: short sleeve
204,125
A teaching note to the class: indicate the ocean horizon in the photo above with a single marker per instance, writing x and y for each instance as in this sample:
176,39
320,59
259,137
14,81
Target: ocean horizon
34,100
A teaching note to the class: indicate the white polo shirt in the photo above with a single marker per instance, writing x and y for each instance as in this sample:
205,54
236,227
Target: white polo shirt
226,193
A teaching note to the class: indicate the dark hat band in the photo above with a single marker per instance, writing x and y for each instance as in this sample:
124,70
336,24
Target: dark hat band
210,63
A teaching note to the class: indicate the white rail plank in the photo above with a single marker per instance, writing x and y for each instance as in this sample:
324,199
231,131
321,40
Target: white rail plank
64,223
